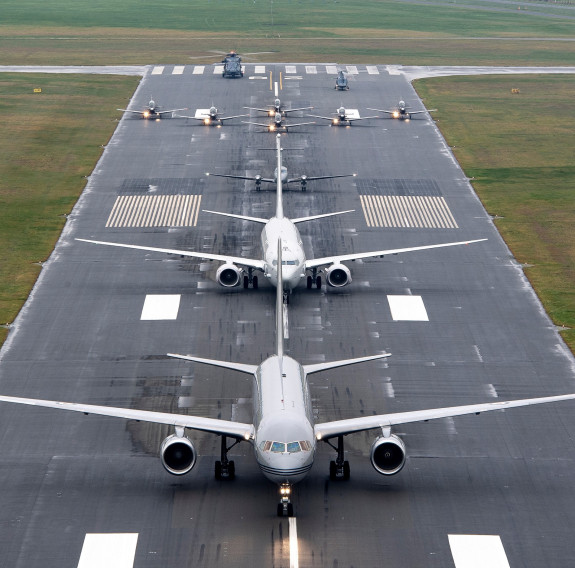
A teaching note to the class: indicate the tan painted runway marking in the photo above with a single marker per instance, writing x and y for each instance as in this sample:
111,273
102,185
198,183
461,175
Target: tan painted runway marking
419,211
155,211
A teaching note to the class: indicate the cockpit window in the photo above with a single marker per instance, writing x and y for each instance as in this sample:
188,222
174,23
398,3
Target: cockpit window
285,262
289,447
278,447
293,447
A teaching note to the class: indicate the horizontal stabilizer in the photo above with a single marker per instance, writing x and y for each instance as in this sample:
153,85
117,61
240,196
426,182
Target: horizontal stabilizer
241,367
315,368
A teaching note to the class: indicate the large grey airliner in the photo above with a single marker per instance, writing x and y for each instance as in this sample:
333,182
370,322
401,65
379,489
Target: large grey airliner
282,433
296,265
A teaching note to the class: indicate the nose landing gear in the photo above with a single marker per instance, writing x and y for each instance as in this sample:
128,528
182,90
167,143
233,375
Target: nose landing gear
285,507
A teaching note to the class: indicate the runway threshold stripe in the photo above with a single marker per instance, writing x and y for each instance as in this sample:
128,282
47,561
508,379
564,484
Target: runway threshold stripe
331,69
198,70
293,544
161,307
372,69
157,70
407,308
311,69
408,211
155,211
113,550
178,70
477,551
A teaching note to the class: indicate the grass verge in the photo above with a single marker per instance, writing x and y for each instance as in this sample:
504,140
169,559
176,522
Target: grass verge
518,150
50,141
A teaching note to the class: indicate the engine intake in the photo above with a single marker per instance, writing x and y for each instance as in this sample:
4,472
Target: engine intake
178,455
338,275
229,275
388,455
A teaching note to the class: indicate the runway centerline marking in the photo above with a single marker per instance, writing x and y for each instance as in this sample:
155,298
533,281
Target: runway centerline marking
159,307
407,308
477,551
293,544
113,550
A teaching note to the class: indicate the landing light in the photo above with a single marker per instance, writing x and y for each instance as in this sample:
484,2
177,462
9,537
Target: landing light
335,120
146,114
285,490
395,114
206,121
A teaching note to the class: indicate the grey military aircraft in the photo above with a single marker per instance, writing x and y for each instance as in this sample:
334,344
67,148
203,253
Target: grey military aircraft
232,272
342,118
341,82
303,180
212,118
283,432
277,124
151,111
277,107
402,111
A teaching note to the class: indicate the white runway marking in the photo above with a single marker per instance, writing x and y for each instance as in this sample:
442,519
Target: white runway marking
407,308
393,70
311,69
291,69
161,307
114,550
352,112
372,69
157,70
293,545
218,69
178,70
477,551
331,69
352,70
286,323
198,70
260,69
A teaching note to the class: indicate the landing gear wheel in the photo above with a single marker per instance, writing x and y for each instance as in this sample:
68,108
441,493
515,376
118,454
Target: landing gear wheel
332,471
290,510
232,470
318,282
218,470
309,282
280,510
255,283
346,471
246,282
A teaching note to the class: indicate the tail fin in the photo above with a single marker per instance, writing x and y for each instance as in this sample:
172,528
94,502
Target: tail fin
280,305
279,204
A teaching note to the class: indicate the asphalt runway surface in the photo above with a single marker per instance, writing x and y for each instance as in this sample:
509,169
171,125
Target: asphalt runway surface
462,324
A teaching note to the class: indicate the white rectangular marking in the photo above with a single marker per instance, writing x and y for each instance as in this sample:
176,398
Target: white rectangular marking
352,112
158,70
393,70
161,307
218,69
407,308
290,69
178,70
372,69
202,112
311,69
260,69
332,69
352,70
114,550
293,546
477,551
198,70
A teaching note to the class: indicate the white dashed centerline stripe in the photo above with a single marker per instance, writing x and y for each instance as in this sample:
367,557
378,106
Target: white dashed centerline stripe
293,545
477,551
161,307
114,550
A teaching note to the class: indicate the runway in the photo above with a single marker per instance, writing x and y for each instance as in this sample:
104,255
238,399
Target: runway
462,324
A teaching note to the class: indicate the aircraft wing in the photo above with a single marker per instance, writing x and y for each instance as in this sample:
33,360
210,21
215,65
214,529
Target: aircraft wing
327,430
221,427
360,118
252,263
290,125
383,110
315,178
200,118
251,178
266,110
168,111
313,263
132,111
285,111
258,124
324,117
222,118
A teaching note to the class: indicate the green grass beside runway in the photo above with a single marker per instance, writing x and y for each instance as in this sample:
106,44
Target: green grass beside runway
50,141
518,148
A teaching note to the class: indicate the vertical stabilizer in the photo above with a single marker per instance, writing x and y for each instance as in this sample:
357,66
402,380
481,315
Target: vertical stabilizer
279,203
280,306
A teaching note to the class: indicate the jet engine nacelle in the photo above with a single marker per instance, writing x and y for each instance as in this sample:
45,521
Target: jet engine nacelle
338,275
178,455
388,455
229,275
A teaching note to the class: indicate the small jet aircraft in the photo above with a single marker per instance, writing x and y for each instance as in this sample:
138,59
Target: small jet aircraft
212,118
303,180
402,111
341,117
283,433
277,124
232,272
341,82
151,111
277,107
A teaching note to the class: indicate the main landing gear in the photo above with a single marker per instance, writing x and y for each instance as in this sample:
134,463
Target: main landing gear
285,507
338,469
314,279
224,468
250,279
